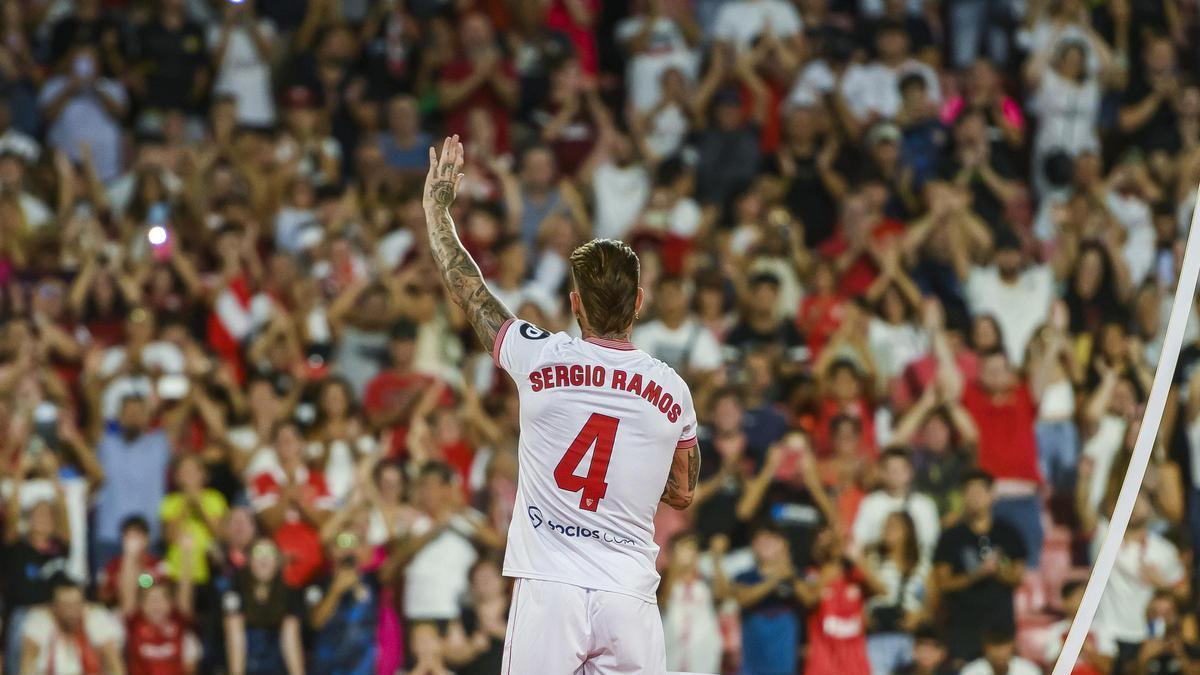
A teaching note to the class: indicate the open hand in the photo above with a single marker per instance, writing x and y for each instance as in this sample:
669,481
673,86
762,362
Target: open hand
445,173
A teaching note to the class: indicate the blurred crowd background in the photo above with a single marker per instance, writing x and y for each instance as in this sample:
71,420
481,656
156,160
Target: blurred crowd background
915,259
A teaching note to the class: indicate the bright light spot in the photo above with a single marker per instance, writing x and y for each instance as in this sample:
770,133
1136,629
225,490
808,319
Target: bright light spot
145,580
157,235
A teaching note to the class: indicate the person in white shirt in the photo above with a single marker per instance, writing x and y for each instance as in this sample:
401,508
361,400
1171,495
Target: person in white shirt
689,607
675,337
873,89
438,551
581,547
1098,650
1146,565
656,43
1000,657
896,494
1127,206
241,46
620,183
741,21
71,637
1066,99
1017,295
154,355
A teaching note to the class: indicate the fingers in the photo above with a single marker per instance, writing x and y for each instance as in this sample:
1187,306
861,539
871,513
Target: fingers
449,161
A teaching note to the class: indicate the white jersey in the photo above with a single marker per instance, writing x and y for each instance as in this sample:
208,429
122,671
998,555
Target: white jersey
600,423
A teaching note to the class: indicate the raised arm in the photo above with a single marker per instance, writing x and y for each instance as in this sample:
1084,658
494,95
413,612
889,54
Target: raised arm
459,271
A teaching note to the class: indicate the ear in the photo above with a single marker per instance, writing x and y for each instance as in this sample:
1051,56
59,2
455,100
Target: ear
577,308
637,304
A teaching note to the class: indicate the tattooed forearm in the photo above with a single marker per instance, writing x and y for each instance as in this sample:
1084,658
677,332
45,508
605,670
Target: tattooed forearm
461,275
459,272
675,494
693,468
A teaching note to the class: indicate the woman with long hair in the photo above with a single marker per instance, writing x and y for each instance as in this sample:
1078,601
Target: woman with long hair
338,440
262,617
893,615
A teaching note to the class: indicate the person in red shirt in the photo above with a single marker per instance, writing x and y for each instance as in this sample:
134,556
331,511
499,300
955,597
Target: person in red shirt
854,244
480,77
576,19
845,393
835,592
939,323
293,503
1004,405
396,394
135,556
823,308
157,620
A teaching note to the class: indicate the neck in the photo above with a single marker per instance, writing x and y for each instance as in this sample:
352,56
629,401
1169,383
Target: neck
980,521
762,319
673,320
617,336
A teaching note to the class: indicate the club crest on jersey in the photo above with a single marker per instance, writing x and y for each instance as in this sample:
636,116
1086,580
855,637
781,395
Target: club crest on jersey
532,332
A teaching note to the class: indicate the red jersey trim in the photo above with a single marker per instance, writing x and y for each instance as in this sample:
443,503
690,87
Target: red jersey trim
623,345
686,443
500,341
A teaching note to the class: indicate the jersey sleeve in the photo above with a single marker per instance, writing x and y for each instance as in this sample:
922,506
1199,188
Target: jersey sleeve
518,346
687,435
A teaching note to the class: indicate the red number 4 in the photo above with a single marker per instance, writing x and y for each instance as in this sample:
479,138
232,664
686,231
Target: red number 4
601,430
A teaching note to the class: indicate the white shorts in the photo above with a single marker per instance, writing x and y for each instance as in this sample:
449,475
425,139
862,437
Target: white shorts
560,629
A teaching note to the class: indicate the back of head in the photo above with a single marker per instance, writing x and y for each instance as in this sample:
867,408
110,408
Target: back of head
606,275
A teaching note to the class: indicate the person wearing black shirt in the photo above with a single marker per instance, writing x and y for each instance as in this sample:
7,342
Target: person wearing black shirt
727,456
263,617
760,325
813,170
929,654
728,142
981,166
29,564
172,58
977,564
87,26
787,496
1147,114
475,642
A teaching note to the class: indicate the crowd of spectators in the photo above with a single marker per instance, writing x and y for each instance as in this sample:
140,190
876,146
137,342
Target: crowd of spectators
914,258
